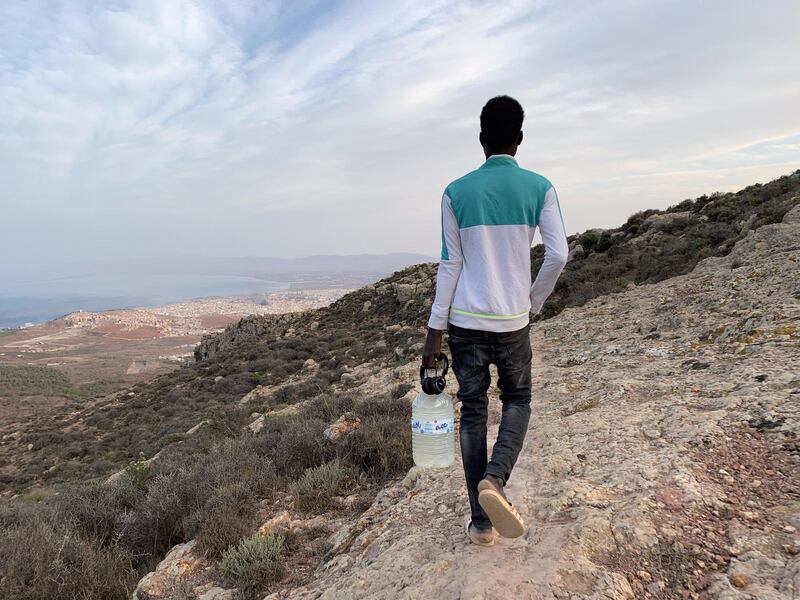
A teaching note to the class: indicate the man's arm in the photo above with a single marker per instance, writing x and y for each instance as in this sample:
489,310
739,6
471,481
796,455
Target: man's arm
556,250
446,280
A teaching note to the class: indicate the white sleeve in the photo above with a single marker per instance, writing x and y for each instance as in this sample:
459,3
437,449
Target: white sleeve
556,250
449,268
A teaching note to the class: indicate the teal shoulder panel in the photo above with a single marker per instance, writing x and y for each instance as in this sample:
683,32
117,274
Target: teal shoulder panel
501,195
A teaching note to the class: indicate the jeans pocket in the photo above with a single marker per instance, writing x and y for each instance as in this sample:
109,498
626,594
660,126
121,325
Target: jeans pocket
518,353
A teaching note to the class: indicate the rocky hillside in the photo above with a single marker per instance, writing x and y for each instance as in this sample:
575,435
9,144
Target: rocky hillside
662,460
286,428
655,245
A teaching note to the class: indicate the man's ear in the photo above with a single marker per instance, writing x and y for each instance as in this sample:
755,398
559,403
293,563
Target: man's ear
519,138
480,139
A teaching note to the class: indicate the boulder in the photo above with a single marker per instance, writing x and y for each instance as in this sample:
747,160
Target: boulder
668,221
341,427
258,424
405,292
215,593
284,523
256,393
416,348
179,564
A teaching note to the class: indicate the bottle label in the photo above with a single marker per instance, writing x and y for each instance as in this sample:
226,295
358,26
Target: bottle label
434,427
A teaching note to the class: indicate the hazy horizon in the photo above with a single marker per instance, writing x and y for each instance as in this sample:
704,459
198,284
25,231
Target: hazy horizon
210,264
51,292
296,129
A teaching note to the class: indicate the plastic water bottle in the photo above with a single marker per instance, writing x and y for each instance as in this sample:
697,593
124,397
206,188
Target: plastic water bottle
433,439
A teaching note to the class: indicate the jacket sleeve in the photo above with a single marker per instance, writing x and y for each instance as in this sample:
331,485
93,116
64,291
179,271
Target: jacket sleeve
554,237
449,268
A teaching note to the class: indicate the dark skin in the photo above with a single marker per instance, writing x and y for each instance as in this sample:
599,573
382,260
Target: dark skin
433,342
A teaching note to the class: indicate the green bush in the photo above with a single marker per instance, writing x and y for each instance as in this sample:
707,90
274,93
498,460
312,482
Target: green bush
255,562
318,485
588,241
138,471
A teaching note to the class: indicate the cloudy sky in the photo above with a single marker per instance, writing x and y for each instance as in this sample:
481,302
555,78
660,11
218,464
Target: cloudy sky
294,128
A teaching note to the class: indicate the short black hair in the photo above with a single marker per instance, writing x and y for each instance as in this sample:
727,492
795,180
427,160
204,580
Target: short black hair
501,121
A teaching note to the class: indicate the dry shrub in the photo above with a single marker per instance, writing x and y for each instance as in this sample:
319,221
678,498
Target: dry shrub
400,390
94,509
227,517
162,519
381,447
174,508
328,407
296,444
239,461
41,557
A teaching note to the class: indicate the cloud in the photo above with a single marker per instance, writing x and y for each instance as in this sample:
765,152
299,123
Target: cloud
291,128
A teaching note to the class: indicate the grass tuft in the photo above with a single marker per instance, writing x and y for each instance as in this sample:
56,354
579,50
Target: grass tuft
318,485
255,562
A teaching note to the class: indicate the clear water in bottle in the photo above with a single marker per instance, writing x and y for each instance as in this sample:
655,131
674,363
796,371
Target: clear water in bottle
432,434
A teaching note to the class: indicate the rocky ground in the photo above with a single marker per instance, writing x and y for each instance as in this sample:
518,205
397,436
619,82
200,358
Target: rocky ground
662,460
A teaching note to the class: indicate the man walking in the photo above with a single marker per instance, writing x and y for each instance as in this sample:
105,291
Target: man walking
484,298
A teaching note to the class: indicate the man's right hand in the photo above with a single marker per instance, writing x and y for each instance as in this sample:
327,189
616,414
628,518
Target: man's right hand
432,348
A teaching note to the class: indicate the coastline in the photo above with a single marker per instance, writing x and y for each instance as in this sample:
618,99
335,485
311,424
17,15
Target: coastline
122,346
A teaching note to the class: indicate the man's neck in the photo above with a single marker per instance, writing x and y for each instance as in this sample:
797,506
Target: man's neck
500,152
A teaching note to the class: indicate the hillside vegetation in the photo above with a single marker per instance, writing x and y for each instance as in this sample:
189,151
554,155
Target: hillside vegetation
239,436
655,245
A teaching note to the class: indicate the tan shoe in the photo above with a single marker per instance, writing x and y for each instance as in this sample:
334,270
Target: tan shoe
481,537
504,517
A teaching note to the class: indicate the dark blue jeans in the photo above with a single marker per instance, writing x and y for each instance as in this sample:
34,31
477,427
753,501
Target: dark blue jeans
472,352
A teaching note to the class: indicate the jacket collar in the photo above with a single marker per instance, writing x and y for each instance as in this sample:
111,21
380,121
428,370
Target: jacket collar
500,159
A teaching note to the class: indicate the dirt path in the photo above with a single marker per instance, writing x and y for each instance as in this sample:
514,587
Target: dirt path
661,461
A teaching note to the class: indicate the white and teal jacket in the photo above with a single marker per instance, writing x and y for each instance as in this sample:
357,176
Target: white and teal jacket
489,217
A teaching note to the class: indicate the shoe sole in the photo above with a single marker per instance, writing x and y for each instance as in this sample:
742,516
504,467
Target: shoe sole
500,514
477,542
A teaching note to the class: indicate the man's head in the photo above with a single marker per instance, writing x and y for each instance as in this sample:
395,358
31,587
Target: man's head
501,126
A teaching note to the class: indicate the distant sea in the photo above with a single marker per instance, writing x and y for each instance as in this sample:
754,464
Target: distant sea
39,301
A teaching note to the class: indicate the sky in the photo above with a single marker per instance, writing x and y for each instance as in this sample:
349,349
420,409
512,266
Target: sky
294,128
